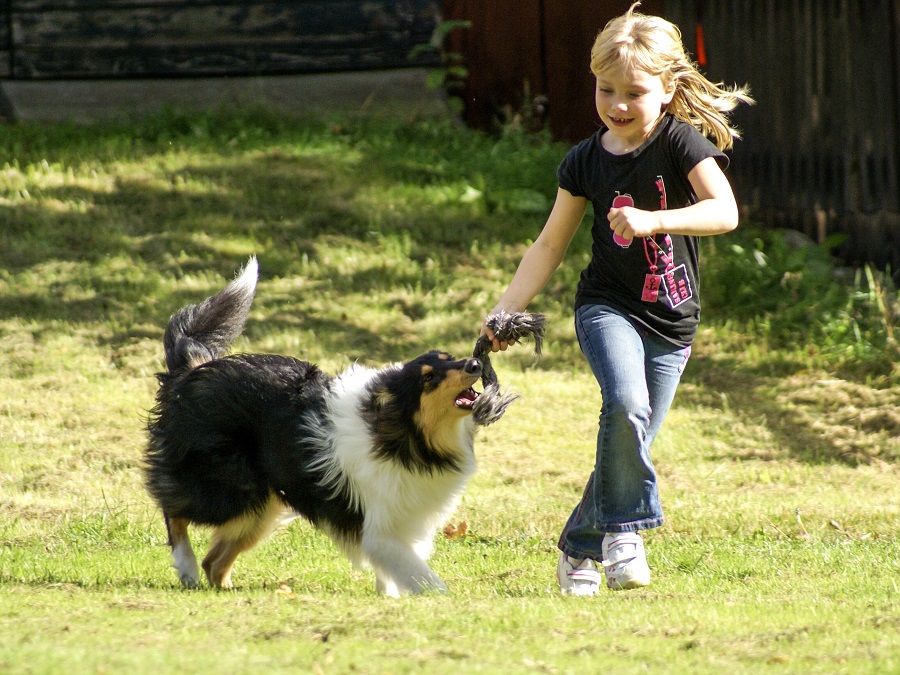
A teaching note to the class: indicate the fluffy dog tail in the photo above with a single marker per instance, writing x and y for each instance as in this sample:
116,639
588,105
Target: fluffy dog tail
200,333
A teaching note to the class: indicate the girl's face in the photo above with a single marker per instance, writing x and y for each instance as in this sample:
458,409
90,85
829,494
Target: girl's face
629,103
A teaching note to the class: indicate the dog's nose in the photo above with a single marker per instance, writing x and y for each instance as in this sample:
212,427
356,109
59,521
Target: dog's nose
473,367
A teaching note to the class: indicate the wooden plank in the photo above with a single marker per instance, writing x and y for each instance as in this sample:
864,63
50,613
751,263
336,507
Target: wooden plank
570,30
502,50
200,23
5,41
31,6
93,5
205,61
219,39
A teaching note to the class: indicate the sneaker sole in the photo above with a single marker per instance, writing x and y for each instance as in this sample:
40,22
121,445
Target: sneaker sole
628,584
587,594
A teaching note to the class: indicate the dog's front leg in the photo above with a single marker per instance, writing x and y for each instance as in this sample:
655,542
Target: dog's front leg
384,586
398,569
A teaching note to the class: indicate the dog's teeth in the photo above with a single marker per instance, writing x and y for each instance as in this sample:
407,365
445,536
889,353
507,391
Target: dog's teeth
467,399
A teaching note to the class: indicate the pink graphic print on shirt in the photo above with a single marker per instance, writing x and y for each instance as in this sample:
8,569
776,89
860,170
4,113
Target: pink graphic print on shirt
619,202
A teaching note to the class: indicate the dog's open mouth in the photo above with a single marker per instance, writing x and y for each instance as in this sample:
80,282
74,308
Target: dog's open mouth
467,399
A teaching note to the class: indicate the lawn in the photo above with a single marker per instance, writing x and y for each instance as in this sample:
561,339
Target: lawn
379,239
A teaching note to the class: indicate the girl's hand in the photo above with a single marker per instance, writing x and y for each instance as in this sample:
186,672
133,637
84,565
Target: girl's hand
629,222
496,345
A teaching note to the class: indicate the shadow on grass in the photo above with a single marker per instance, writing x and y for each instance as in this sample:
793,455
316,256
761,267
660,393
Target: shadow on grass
806,431
65,244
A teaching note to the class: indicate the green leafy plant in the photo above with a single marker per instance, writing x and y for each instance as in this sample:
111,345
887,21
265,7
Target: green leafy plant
452,73
795,295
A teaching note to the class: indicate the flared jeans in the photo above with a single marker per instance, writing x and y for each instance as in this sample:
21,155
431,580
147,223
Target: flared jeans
638,372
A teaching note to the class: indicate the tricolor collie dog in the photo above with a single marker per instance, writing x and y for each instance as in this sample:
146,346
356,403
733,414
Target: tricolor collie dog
376,458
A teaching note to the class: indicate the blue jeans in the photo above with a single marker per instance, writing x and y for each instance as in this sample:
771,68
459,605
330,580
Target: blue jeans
638,372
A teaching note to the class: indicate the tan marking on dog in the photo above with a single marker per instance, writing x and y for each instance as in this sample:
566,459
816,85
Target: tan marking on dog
178,531
238,535
438,415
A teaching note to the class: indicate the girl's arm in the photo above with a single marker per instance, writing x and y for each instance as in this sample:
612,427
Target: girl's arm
541,259
715,212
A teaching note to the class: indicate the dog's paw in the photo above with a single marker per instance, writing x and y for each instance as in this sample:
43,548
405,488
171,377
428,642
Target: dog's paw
189,581
386,587
411,586
434,585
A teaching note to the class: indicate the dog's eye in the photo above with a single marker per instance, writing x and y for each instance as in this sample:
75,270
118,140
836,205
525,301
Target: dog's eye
427,377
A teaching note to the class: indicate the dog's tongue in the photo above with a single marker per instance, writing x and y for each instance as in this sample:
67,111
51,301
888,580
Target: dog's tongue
466,399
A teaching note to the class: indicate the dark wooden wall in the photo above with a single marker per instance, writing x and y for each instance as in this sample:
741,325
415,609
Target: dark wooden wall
519,50
65,39
5,40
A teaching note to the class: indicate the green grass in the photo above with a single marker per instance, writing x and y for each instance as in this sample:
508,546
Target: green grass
379,239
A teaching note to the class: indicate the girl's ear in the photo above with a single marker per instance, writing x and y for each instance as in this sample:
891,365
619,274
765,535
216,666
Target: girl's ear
669,93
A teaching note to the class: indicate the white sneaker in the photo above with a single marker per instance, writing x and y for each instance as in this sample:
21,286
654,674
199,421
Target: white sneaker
577,577
624,561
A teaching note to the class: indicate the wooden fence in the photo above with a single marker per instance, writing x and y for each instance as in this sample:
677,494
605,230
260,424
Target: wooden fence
821,148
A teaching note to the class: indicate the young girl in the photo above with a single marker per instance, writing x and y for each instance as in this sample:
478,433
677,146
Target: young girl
656,184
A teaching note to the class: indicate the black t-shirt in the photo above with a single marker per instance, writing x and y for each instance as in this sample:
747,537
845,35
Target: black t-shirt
654,280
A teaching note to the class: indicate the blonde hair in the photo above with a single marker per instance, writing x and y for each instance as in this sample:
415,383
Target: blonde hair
652,44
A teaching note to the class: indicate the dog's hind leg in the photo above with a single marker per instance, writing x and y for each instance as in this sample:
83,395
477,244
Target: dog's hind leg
239,535
183,558
219,561
398,569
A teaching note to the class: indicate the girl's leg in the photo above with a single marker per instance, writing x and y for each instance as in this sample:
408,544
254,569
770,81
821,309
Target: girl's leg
638,373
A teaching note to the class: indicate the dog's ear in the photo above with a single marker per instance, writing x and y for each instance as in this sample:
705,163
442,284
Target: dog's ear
382,399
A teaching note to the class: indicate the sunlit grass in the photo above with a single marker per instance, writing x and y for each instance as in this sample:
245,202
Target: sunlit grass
379,239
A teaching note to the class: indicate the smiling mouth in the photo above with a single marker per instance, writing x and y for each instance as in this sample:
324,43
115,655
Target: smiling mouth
466,400
619,120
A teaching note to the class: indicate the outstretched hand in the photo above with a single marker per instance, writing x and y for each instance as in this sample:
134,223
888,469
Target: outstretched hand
503,329
498,332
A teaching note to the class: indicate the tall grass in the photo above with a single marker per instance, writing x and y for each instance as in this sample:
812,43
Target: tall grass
794,294
379,238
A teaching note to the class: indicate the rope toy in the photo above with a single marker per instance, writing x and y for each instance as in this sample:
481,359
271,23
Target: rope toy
507,326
